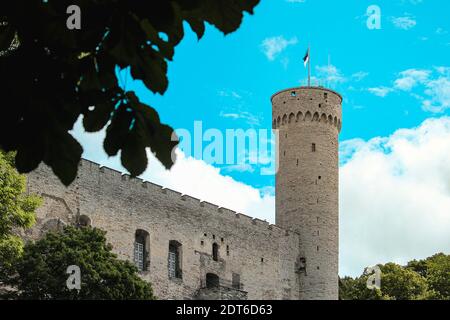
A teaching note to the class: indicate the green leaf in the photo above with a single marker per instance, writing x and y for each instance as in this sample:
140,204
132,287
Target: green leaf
117,132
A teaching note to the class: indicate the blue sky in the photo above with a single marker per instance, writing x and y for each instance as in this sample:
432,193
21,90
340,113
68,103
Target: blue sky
219,77
396,87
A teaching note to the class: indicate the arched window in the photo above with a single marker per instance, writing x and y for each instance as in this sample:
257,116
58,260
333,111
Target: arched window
174,260
212,280
142,250
215,251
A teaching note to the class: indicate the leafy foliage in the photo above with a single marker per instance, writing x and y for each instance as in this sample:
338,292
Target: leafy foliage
418,280
16,212
41,272
56,74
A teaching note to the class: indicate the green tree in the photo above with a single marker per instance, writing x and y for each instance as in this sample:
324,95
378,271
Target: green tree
41,271
16,212
436,269
51,75
400,283
418,280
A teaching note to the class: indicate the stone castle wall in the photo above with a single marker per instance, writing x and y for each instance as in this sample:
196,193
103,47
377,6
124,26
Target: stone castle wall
266,257
309,122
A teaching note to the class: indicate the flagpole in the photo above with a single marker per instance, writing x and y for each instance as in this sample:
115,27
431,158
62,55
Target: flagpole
309,66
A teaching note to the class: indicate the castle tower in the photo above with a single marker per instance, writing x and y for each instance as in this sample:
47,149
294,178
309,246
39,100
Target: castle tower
309,122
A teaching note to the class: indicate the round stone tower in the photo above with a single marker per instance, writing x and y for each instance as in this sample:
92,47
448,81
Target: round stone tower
307,189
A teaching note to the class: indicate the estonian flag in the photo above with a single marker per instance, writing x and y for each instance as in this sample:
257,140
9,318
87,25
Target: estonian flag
306,58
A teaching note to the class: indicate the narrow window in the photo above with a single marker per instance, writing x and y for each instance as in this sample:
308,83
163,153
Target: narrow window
174,260
320,177
202,242
215,251
221,240
325,95
236,281
262,260
313,147
317,248
228,250
297,162
142,250
212,280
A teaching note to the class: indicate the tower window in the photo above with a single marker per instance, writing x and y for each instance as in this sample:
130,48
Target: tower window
313,147
325,95
174,260
228,250
215,251
320,177
262,260
236,281
297,162
141,250
317,248
202,242
293,94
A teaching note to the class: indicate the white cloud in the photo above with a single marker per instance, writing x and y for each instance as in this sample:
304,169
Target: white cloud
434,86
330,74
395,197
404,23
441,31
394,192
272,47
410,78
380,91
189,176
438,92
248,117
358,76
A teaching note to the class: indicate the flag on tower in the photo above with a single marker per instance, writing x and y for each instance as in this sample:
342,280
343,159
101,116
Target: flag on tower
306,58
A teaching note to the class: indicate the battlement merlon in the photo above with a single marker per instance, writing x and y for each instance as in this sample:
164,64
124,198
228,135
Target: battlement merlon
127,182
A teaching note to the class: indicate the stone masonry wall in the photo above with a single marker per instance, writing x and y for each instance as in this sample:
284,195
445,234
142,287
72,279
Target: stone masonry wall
265,256
309,122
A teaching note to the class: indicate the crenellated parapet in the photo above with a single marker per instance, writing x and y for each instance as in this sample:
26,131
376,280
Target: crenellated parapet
145,188
297,106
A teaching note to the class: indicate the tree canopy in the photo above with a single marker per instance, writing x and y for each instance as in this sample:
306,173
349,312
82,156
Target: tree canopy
16,212
425,279
51,75
41,273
